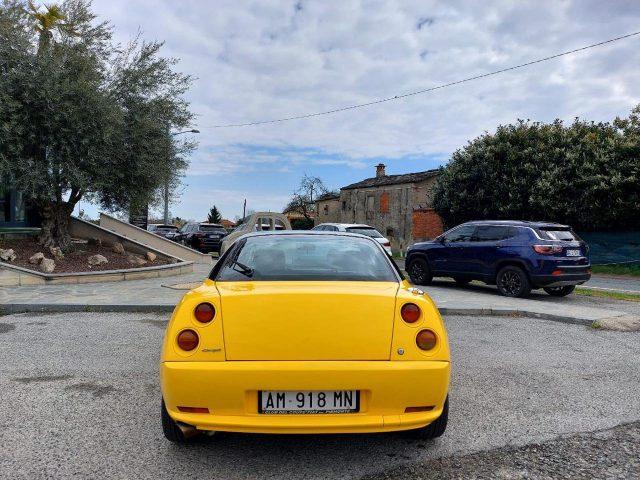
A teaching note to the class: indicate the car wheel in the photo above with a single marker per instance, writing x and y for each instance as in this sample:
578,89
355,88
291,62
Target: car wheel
170,428
435,429
419,272
560,291
513,282
462,281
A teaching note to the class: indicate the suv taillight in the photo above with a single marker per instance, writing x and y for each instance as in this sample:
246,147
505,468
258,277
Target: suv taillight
547,249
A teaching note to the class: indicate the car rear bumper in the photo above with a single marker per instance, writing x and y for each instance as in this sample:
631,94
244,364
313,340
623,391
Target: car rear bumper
230,391
564,275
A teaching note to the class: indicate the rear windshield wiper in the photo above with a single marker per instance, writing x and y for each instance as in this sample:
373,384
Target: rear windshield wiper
242,268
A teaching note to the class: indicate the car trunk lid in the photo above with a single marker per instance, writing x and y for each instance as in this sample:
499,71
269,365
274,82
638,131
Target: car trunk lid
305,320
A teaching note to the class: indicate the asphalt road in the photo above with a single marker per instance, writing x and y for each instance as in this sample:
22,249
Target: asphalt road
79,398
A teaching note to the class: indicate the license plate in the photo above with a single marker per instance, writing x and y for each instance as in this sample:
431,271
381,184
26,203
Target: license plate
301,402
573,253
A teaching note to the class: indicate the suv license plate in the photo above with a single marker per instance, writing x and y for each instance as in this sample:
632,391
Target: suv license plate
573,253
307,402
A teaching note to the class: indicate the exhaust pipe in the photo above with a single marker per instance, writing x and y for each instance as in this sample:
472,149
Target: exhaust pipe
189,431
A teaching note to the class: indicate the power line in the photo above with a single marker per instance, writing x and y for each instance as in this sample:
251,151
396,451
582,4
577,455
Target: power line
426,90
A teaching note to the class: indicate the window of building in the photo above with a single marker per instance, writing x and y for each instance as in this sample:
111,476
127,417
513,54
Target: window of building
384,202
370,203
326,209
344,205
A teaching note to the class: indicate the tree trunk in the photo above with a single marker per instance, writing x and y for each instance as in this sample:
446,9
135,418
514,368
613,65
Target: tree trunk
56,218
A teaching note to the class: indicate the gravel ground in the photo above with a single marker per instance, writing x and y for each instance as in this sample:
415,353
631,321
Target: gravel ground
612,453
80,398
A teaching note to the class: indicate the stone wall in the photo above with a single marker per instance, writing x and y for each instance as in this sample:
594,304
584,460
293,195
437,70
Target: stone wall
327,211
393,211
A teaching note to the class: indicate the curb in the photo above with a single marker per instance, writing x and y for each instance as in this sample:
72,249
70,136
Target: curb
514,313
13,308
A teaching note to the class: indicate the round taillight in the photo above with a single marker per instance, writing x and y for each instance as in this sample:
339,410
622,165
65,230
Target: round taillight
426,340
204,312
187,340
410,312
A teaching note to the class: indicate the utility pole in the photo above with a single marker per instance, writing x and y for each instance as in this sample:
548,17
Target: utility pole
166,203
166,183
244,209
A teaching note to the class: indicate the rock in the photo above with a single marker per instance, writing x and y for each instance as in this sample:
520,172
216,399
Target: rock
118,248
47,265
136,260
36,258
97,259
56,252
7,255
151,256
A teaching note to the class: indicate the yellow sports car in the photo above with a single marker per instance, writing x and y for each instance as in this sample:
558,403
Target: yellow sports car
305,332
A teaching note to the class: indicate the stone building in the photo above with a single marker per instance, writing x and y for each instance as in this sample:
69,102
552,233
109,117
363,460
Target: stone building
398,206
328,208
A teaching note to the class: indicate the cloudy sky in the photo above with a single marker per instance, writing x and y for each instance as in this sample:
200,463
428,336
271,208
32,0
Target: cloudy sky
277,58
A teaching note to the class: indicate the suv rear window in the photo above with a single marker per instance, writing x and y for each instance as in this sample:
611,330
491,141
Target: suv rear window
558,234
211,228
307,257
492,233
369,232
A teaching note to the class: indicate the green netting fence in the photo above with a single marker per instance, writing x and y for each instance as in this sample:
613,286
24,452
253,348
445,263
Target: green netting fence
613,247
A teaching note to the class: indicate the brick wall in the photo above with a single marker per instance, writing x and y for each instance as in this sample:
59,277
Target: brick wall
427,224
384,202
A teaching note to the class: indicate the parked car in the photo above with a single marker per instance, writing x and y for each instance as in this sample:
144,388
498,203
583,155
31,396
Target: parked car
516,256
305,332
167,231
257,222
204,237
356,228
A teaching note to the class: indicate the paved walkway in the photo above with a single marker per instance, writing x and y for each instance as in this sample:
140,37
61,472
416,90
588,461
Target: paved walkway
164,293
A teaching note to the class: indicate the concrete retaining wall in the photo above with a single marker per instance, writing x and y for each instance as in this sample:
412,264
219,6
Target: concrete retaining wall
87,230
13,276
147,238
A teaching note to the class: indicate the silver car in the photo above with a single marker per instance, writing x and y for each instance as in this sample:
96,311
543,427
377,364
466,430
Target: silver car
367,230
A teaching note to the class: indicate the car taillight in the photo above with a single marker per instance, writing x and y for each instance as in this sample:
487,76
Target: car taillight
387,244
188,340
204,312
410,312
426,340
547,249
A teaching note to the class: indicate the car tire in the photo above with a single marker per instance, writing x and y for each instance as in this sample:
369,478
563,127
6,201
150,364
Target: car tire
419,272
435,429
560,291
512,281
462,281
170,428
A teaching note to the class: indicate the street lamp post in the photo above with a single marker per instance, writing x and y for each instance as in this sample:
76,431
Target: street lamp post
166,184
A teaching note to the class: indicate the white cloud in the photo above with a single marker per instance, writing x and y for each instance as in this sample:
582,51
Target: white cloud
263,60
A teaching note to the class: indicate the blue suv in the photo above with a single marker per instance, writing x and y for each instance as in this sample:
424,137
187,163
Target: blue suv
516,256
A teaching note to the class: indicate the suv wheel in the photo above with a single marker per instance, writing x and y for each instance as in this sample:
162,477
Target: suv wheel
560,291
513,282
419,272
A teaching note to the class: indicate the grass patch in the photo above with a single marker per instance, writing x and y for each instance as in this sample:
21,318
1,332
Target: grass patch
632,269
589,292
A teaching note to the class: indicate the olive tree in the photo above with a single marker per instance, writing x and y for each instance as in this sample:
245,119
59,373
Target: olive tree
82,117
